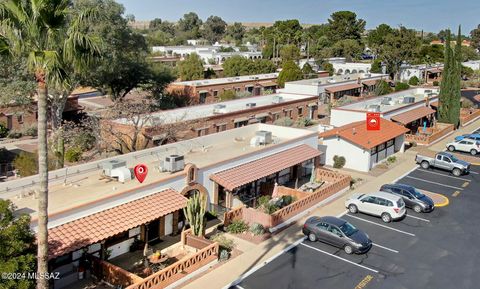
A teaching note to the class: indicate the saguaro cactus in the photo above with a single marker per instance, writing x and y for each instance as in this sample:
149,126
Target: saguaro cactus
195,213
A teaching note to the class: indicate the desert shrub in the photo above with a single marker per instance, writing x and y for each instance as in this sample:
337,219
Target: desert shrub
436,83
467,103
391,159
73,154
284,121
267,91
401,86
26,164
84,140
257,229
237,227
413,80
270,208
413,144
223,241
263,200
227,95
338,162
303,122
242,94
3,130
31,130
14,133
287,200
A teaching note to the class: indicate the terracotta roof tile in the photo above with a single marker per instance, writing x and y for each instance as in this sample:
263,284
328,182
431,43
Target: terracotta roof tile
412,115
102,225
358,134
252,171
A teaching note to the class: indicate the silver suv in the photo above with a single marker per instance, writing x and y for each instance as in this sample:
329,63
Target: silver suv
387,206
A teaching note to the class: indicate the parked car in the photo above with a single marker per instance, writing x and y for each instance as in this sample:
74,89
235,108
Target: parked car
444,161
337,232
385,205
413,198
474,136
465,145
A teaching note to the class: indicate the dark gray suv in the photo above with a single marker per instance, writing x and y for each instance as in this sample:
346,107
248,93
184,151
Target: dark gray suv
337,232
413,198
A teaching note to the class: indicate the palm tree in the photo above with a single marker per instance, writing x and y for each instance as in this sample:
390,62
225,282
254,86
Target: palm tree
52,35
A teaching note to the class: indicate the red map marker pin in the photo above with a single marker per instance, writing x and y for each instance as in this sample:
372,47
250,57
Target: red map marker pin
141,172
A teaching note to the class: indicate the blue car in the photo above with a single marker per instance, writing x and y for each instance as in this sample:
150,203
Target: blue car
474,136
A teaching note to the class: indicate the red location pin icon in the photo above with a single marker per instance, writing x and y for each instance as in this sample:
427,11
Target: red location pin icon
141,172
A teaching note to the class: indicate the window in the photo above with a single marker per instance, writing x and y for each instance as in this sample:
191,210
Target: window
334,230
463,142
373,151
381,202
20,118
439,158
369,199
215,93
447,160
323,226
221,127
241,123
390,143
381,147
203,97
202,131
300,111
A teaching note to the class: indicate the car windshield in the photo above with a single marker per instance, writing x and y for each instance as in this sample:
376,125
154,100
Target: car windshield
348,229
418,194
454,159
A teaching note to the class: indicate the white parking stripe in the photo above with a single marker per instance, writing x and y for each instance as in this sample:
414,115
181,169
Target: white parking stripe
475,173
239,287
418,218
383,247
340,258
418,179
386,227
443,175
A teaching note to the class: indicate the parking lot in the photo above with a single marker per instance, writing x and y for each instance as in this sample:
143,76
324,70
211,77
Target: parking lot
477,131
433,250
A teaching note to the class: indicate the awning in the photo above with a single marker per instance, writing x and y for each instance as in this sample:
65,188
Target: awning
344,87
249,85
100,226
434,104
240,119
267,83
412,115
261,115
370,82
203,91
252,171
313,104
434,70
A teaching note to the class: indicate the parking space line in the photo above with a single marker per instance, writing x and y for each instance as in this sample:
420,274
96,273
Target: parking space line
239,287
456,193
386,248
443,175
418,179
386,227
340,258
475,173
364,282
465,184
418,218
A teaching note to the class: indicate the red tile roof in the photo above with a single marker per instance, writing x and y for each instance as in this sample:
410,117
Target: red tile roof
252,171
343,87
412,115
358,134
94,228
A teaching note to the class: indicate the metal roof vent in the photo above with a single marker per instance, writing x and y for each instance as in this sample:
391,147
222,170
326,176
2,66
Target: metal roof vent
264,137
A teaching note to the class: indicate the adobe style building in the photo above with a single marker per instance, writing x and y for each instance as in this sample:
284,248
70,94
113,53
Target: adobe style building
342,67
426,74
98,207
209,90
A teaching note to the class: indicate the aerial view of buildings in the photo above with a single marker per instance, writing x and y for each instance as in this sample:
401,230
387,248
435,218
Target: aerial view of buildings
203,145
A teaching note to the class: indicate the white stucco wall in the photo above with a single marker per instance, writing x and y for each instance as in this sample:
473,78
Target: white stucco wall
351,68
340,117
355,157
292,87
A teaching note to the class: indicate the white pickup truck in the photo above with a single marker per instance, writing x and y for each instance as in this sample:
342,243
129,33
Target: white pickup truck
444,161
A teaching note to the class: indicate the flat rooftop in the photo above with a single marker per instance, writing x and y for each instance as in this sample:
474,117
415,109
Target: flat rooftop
206,110
216,81
332,80
84,183
392,101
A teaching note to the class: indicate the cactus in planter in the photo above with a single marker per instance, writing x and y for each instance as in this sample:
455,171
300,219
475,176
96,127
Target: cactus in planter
195,213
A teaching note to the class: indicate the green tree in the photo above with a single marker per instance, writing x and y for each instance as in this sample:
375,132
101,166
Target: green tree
377,37
308,71
286,32
382,88
237,66
236,31
290,72
191,68
262,66
376,66
290,52
51,34
433,52
16,85
475,37
17,247
348,48
399,86
345,25
449,97
413,80
327,66
469,53
190,25
227,95
214,29
467,72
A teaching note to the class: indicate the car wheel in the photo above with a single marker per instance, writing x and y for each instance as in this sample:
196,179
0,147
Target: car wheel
312,237
451,148
425,165
348,249
473,152
417,209
353,209
386,218
456,172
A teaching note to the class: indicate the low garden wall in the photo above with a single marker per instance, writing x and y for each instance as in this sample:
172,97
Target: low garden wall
436,133
113,274
468,114
335,183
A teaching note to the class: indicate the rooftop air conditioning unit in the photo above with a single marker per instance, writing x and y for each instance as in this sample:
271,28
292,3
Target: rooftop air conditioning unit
387,101
219,108
173,163
277,99
251,104
373,108
117,169
264,137
409,99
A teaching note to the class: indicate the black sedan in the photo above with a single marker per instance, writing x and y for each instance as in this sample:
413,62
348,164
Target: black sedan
337,232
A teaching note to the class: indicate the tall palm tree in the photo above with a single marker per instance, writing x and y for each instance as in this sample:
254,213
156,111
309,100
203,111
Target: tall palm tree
52,35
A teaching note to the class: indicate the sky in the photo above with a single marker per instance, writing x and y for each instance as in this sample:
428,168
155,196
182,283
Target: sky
427,15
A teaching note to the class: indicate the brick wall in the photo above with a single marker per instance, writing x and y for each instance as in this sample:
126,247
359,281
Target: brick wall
113,274
18,117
